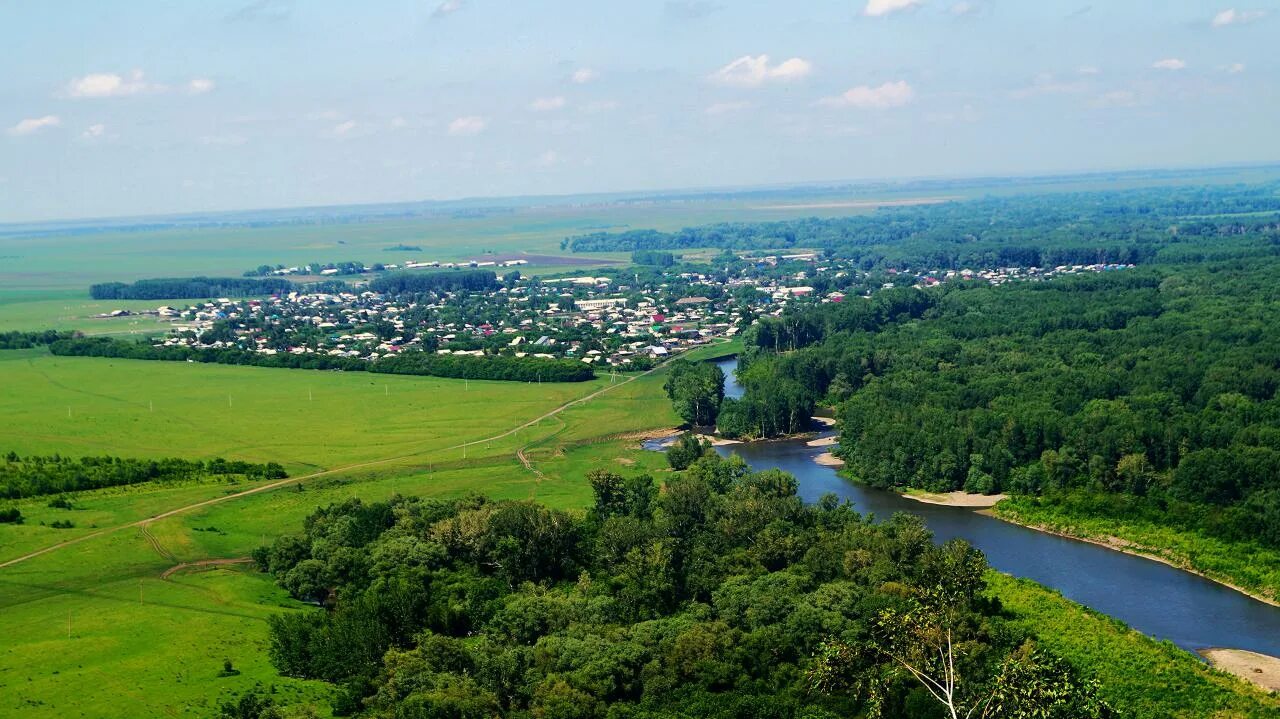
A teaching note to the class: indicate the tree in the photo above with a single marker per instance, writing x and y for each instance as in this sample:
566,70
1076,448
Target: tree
696,390
686,450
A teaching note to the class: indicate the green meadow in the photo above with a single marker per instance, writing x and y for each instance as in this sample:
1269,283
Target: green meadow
142,644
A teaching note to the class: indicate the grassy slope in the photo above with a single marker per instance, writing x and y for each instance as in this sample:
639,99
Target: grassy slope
1247,566
1139,676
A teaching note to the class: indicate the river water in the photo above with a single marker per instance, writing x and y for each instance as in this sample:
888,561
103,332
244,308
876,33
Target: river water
1153,598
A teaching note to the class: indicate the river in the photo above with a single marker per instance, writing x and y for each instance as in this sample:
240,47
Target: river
1153,598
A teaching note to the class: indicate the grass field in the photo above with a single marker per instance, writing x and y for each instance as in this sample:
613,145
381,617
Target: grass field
161,642
302,419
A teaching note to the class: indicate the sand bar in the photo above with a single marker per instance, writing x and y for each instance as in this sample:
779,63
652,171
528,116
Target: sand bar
1260,669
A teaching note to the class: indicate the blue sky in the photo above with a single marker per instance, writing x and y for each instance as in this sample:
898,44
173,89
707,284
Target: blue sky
137,107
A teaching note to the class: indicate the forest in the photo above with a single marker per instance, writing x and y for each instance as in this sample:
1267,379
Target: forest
1157,385
497,367
38,475
723,595
1126,227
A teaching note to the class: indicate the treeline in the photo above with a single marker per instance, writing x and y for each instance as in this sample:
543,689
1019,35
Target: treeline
41,475
496,367
190,288
722,596
397,283
1131,227
26,340
1159,385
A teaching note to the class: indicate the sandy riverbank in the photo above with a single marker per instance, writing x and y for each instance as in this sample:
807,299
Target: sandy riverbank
957,499
823,442
1260,669
827,459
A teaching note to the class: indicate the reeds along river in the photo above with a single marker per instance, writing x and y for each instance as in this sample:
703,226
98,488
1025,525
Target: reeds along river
1156,599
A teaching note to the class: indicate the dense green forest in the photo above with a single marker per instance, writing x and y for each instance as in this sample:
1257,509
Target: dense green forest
189,288
1157,386
1130,227
723,595
497,367
39,475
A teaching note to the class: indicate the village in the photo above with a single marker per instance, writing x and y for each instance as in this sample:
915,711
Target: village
622,319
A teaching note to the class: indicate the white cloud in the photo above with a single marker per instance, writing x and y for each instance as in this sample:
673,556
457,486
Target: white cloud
877,8
550,158
749,71
584,75
343,129
199,86
1235,68
544,104
887,95
721,108
1232,16
448,7
398,122
111,85
468,125
1169,63
35,124
1088,70
94,131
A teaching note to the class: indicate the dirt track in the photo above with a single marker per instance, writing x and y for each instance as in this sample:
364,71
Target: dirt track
203,564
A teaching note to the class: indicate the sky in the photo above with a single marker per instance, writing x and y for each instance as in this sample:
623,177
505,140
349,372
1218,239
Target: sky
147,106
